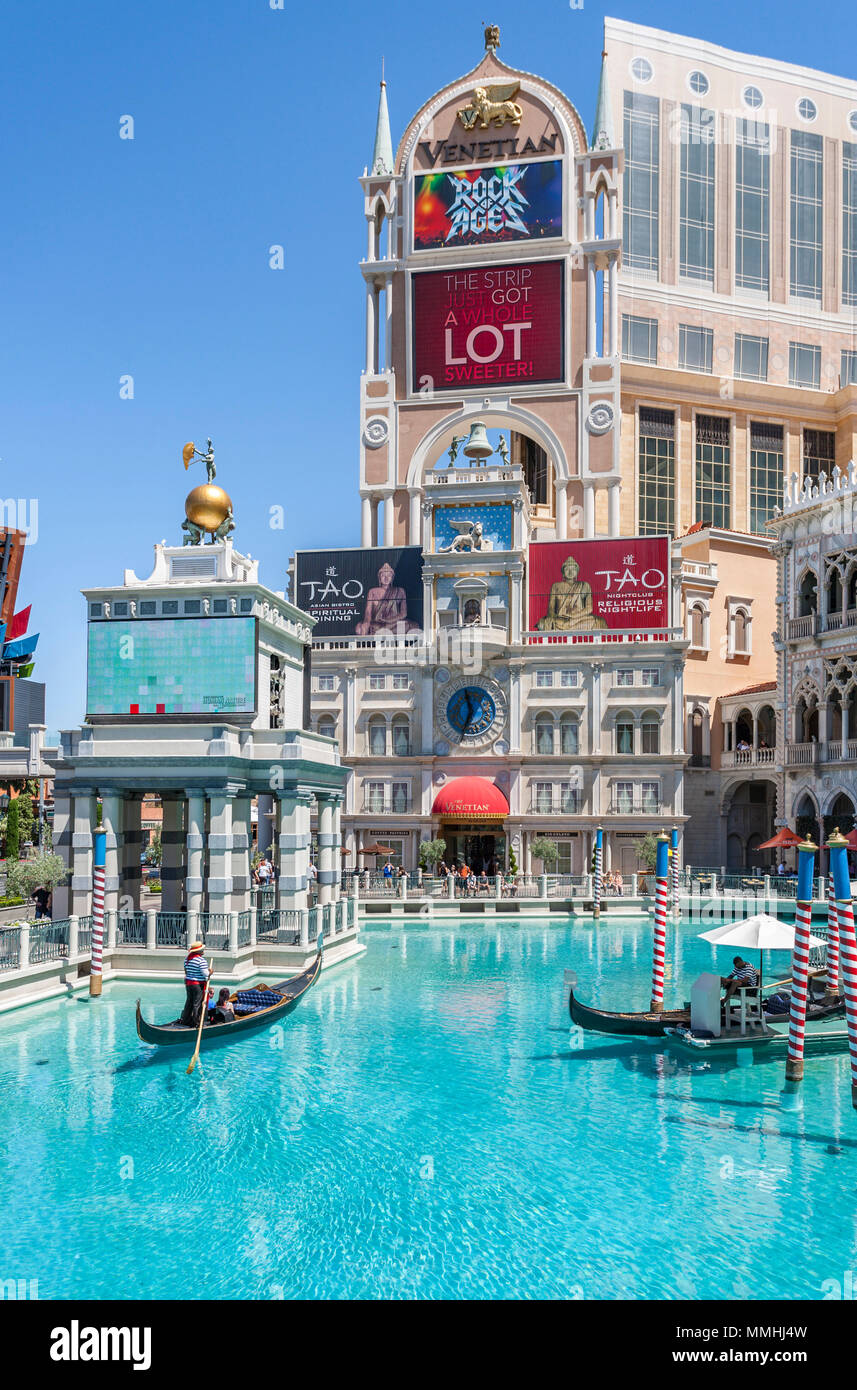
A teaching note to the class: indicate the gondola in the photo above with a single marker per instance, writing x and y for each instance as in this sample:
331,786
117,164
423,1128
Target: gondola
178,1034
654,1024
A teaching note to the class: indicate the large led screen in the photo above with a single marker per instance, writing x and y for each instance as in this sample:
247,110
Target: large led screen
489,205
163,666
502,325
589,586
361,593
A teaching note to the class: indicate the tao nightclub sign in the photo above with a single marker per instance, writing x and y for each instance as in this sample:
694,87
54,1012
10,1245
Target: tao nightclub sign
588,586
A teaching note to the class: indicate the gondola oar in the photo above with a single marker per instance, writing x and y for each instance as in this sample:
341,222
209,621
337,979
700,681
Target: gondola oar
192,1063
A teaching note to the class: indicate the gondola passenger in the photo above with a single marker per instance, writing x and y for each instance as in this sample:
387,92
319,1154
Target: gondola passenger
224,1011
197,973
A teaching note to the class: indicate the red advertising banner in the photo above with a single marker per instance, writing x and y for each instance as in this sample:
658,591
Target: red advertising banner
591,586
501,325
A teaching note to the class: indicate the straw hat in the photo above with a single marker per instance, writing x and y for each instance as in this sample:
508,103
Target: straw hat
196,946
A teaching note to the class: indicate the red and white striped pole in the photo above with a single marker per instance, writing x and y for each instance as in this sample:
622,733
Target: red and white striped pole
838,847
659,945
96,949
832,937
800,960
674,867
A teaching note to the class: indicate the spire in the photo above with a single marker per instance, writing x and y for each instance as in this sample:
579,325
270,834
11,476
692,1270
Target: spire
382,155
602,133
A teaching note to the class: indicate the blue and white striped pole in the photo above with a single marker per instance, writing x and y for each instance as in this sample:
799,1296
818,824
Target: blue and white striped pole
674,866
599,855
838,847
97,936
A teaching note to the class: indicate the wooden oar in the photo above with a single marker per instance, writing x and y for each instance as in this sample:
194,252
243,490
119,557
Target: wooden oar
193,1061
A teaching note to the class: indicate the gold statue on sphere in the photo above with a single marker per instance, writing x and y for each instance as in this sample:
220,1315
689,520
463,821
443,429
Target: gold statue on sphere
208,509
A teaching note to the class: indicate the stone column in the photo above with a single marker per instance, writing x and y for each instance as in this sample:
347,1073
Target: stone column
588,510
414,517
349,710
515,709
337,846
264,823
845,730
83,825
220,844
595,708
516,607
561,510
195,851
172,853
111,811
389,518
613,509
131,873
242,836
62,846
366,521
293,841
326,839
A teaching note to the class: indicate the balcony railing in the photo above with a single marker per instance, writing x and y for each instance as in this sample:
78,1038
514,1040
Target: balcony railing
387,805
698,569
748,757
833,622
796,628
624,635
801,754
555,805
620,806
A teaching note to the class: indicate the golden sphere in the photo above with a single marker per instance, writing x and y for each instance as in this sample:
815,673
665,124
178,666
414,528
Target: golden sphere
207,506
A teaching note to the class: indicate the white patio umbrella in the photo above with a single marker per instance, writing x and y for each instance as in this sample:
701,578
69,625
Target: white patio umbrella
759,933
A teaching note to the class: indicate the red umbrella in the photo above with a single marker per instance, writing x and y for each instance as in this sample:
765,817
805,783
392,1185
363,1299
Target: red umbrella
784,839
851,839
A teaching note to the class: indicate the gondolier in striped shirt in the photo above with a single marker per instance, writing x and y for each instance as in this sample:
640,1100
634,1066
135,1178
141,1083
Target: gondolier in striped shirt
197,973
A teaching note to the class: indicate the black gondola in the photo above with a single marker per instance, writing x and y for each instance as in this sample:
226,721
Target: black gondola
654,1024
180,1035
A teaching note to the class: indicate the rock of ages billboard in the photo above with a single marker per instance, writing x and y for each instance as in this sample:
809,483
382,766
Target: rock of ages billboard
491,204
361,593
587,586
502,325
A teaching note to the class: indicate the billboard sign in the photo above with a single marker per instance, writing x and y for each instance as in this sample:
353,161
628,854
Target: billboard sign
171,666
590,586
361,593
499,325
488,205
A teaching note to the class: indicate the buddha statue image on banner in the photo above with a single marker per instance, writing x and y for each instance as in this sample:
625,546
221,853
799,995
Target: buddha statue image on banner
570,603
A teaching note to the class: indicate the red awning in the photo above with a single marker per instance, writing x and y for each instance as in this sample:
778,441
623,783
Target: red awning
470,798
784,839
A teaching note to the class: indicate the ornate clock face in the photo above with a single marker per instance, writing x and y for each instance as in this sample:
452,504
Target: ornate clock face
471,712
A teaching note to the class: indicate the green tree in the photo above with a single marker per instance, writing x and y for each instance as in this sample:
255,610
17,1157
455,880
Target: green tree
513,863
153,850
23,876
431,853
546,850
647,851
13,830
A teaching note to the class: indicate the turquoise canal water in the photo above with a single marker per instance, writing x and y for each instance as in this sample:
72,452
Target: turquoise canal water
425,1126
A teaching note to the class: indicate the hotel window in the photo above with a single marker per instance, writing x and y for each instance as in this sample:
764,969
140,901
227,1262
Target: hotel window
544,679
544,798
640,194
819,452
120,610
147,607
96,610
245,605
766,473
401,680
378,738
650,675
849,222
569,800
327,727
752,202
806,198
569,735
695,348
625,676
169,605
534,461
624,735
848,367
740,633
805,365
192,605
713,471
649,797
326,683
544,734
377,680
401,738
698,627
400,793
640,339
219,605
375,797
569,678
624,797
650,734
656,463
696,225
752,97
751,357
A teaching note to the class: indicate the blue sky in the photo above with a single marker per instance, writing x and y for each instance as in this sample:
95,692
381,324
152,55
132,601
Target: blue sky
149,256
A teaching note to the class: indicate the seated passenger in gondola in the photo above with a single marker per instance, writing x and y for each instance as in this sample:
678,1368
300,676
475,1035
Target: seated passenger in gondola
744,976
224,1011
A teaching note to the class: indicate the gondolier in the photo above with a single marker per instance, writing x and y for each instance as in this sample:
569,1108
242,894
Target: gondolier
197,973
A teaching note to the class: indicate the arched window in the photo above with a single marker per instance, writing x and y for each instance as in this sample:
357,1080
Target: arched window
624,733
698,625
401,737
544,734
807,594
650,734
740,625
569,735
378,737
327,726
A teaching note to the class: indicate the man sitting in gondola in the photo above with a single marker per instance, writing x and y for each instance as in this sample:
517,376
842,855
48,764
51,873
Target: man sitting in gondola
744,976
197,973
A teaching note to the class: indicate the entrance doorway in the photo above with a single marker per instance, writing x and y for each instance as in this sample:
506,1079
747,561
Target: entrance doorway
477,846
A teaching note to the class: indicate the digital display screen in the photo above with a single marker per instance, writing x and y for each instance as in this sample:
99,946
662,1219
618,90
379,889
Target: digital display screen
488,205
589,586
502,325
168,666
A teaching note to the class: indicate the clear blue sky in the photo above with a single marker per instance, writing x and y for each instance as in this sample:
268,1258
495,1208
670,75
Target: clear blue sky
149,256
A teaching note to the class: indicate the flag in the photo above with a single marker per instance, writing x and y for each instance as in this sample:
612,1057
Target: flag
187,454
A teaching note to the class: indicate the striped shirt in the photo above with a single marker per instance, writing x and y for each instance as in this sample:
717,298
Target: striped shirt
745,974
196,968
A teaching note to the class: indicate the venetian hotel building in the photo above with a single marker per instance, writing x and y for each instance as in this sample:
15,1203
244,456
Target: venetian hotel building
694,291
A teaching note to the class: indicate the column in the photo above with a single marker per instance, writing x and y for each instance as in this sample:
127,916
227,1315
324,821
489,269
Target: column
414,518
388,313
219,849
242,838
83,824
365,521
561,510
293,842
590,307
370,329
326,875
426,715
195,850
111,811
389,518
613,339
131,873
845,730
515,709
62,846
516,607
595,708
677,706
613,509
172,854
349,711
588,511
337,846
755,739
